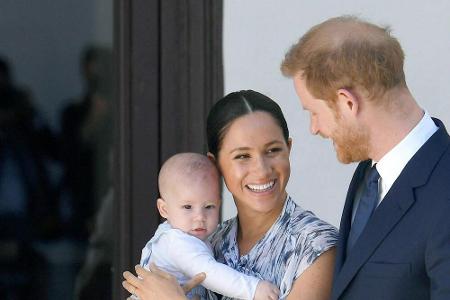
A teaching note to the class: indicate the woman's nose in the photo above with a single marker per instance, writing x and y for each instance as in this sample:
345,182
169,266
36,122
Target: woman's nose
262,166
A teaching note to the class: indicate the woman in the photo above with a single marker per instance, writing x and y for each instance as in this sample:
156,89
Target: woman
271,237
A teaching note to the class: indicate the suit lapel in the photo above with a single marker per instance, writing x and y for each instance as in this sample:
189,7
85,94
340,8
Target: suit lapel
395,204
386,216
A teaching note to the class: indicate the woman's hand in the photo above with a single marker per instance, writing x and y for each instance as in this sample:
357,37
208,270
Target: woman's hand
157,284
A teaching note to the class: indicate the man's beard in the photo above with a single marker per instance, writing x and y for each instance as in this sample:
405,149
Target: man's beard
350,142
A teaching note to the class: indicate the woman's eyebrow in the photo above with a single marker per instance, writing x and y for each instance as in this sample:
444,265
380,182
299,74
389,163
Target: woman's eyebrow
273,142
239,149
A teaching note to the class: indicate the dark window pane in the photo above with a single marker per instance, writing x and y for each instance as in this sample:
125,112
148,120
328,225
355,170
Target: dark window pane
56,129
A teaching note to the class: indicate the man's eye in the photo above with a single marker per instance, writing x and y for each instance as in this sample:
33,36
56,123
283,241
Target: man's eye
187,206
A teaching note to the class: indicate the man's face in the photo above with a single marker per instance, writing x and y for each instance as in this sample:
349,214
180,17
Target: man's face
349,140
322,117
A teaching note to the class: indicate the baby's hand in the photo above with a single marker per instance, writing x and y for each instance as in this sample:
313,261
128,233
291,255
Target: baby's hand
266,291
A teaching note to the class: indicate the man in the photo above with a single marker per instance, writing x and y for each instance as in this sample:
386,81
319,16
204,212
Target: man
395,229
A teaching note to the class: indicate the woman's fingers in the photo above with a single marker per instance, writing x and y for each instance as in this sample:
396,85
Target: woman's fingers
157,271
141,272
274,293
130,288
151,283
194,282
132,284
131,279
154,270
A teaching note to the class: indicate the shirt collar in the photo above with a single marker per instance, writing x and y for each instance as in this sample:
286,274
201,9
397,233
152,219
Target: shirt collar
392,163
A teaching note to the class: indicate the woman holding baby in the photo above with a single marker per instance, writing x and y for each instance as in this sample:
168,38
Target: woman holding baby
272,237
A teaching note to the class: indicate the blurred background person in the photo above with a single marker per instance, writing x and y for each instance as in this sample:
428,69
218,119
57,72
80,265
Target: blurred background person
86,137
28,207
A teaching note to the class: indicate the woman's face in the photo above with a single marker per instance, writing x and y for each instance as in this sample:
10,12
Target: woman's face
254,161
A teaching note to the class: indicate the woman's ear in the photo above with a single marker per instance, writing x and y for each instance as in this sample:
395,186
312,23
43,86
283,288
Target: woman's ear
211,157
162,207
289,144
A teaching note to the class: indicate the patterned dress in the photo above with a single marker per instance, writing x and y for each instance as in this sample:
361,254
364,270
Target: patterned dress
292,244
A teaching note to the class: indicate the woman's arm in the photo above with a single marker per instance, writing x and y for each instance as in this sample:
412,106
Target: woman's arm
316,281
157,284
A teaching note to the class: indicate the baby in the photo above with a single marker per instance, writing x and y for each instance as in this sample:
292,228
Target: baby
190,201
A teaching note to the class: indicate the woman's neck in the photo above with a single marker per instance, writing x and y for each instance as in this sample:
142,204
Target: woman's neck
252,226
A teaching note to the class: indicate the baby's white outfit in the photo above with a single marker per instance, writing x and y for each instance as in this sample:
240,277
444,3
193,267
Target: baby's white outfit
184,256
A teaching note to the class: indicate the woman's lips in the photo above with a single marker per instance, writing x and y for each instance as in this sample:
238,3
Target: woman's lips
261,188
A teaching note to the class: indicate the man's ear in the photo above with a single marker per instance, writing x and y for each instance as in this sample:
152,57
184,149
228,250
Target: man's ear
162,207
348,101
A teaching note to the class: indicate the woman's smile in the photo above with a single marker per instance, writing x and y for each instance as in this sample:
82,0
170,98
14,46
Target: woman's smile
262,188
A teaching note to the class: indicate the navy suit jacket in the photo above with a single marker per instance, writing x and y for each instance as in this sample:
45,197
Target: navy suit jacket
404,250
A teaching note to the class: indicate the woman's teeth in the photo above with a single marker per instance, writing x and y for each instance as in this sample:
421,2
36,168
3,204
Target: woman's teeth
261,187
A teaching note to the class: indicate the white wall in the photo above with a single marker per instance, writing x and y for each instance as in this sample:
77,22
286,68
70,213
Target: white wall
257,33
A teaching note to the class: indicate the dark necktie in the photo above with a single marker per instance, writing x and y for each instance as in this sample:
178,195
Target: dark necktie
366,207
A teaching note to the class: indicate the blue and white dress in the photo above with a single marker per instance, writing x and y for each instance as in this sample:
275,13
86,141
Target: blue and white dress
290,246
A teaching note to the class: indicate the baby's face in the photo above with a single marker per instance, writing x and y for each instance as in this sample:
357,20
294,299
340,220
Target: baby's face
194,206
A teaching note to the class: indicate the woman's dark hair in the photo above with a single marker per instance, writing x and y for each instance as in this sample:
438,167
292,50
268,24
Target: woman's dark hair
235,105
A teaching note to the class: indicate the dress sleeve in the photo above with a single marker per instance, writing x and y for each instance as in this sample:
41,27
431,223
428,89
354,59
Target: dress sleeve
320,238
310,238
192,256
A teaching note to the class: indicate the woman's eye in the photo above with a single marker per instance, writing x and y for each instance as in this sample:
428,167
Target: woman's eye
210,206
187,206
274,150
242,156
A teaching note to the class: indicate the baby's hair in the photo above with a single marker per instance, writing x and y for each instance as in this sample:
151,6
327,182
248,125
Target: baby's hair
185,166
